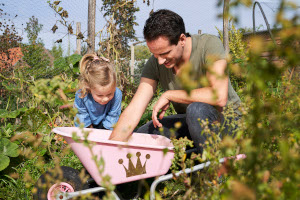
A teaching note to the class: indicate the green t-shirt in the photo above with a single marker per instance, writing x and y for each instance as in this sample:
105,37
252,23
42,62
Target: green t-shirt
204,47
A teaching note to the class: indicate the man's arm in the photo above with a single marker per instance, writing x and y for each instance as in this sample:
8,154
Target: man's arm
215,94
134,111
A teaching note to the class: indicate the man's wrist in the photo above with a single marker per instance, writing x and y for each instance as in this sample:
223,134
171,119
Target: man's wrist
166,95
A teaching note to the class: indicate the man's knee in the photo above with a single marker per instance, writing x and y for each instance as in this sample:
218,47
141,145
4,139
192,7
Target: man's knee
198,110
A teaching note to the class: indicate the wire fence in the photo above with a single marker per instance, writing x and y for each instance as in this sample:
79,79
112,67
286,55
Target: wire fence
196,14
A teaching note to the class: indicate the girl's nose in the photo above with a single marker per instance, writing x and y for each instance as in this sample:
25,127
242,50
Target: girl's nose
105,99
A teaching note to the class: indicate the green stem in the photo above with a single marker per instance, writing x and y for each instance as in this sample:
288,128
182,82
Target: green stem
7,103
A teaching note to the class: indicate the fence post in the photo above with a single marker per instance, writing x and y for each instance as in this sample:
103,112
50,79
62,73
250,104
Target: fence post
225,26
91,26
78,40
199,32
132,61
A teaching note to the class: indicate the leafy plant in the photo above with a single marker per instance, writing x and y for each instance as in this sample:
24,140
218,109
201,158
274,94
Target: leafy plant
4,114
38,61
268,132
122,21
239,55
7,149
9,39
237,46
57,51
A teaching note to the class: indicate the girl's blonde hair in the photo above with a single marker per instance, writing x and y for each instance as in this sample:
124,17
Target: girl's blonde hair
95,71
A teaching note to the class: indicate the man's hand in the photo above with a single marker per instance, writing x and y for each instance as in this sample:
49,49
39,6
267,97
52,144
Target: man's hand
131,116
162,104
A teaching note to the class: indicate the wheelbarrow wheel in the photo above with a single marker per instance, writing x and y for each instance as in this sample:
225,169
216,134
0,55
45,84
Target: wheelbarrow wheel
50,183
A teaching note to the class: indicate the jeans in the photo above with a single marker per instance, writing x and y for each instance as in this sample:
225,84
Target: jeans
190,124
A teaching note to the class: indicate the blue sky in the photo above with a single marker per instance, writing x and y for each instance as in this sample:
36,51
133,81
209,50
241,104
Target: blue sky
197,14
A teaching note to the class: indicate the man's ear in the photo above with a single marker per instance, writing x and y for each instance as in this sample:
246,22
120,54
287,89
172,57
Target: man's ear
182,39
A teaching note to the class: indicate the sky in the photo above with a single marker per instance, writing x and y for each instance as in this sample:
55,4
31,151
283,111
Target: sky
197,15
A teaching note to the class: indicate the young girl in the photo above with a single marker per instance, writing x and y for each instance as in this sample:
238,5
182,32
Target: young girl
98,100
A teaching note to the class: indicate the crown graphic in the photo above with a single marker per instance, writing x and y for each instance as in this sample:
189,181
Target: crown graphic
135,170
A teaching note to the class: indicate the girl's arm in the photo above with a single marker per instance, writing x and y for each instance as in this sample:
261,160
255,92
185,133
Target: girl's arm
82,115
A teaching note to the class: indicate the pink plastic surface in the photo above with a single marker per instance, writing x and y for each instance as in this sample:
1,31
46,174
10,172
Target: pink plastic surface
147,154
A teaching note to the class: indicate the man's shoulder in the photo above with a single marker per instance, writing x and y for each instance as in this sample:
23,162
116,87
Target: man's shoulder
151,69
152,60
206,43
204,37
151,63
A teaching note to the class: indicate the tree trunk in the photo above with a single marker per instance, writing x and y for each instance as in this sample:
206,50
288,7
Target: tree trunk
91,26
132,61
78,41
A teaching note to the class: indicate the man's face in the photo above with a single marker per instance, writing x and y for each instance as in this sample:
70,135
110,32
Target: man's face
167,54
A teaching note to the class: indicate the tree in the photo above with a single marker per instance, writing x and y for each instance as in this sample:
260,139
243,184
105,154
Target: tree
33,28
35,54
56,51
141,52
123,15
9,37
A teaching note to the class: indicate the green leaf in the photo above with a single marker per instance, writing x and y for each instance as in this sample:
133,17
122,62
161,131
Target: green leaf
165,151
4,162
7,114
16,113
3,113
74,59
8,148
64,63
34,120
8,130
60,63
42,152
9,87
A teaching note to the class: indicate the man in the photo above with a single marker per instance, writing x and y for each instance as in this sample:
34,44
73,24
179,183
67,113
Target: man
173,48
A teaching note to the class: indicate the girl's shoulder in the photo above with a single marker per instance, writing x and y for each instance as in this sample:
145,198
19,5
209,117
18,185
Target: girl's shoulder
78,96
118,91
118,94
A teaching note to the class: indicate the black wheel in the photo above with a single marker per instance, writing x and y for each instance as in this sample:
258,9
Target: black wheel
64,179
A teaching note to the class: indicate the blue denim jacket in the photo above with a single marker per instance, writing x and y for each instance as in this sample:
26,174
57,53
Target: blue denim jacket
100,116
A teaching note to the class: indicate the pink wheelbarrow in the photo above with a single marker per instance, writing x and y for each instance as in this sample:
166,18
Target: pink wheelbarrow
143,156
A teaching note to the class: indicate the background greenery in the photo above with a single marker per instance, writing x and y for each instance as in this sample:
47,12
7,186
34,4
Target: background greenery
37,96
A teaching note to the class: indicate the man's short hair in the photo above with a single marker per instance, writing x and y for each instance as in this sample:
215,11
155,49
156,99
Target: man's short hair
164,23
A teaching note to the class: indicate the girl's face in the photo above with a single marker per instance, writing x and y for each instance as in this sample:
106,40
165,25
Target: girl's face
103,94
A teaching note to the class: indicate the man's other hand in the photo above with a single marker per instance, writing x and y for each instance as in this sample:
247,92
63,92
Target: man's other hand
162,104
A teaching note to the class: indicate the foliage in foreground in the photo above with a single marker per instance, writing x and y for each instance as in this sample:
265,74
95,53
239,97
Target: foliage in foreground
268,132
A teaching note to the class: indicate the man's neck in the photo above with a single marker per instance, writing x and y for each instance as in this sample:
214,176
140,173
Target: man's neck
185,56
